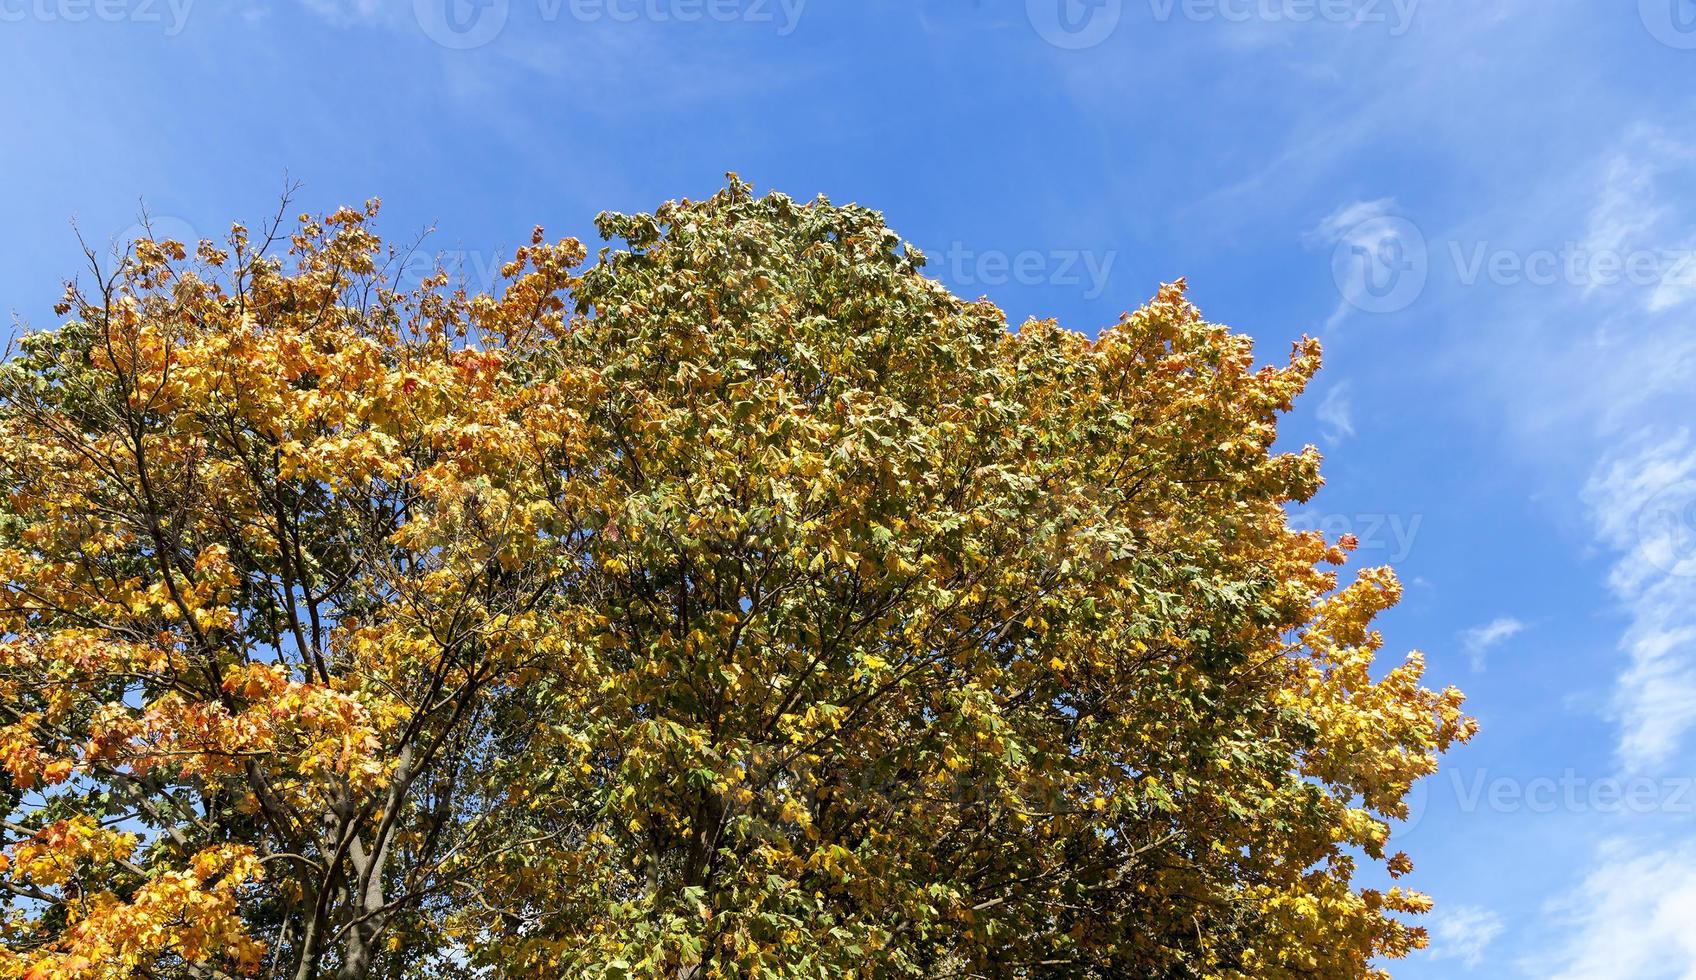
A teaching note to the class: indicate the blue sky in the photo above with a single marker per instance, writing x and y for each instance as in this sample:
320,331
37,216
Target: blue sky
1484,209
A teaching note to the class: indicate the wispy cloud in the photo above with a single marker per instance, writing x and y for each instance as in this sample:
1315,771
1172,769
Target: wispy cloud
1480,639
1631,215
1620,356
1337,225
1336,412
1462,932
1644,504
1630,917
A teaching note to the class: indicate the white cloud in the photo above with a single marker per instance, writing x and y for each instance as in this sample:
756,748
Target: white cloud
1337,225
1480,639
1632,218
1678,281
1462,932
1644,504
1626,211
1336,412
1631,917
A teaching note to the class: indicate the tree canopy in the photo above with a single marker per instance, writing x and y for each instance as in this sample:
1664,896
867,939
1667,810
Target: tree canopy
739,603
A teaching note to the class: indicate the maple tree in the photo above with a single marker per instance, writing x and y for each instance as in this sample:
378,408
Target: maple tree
741,603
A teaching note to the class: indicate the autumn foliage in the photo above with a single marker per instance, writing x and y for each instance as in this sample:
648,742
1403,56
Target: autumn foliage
740,603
